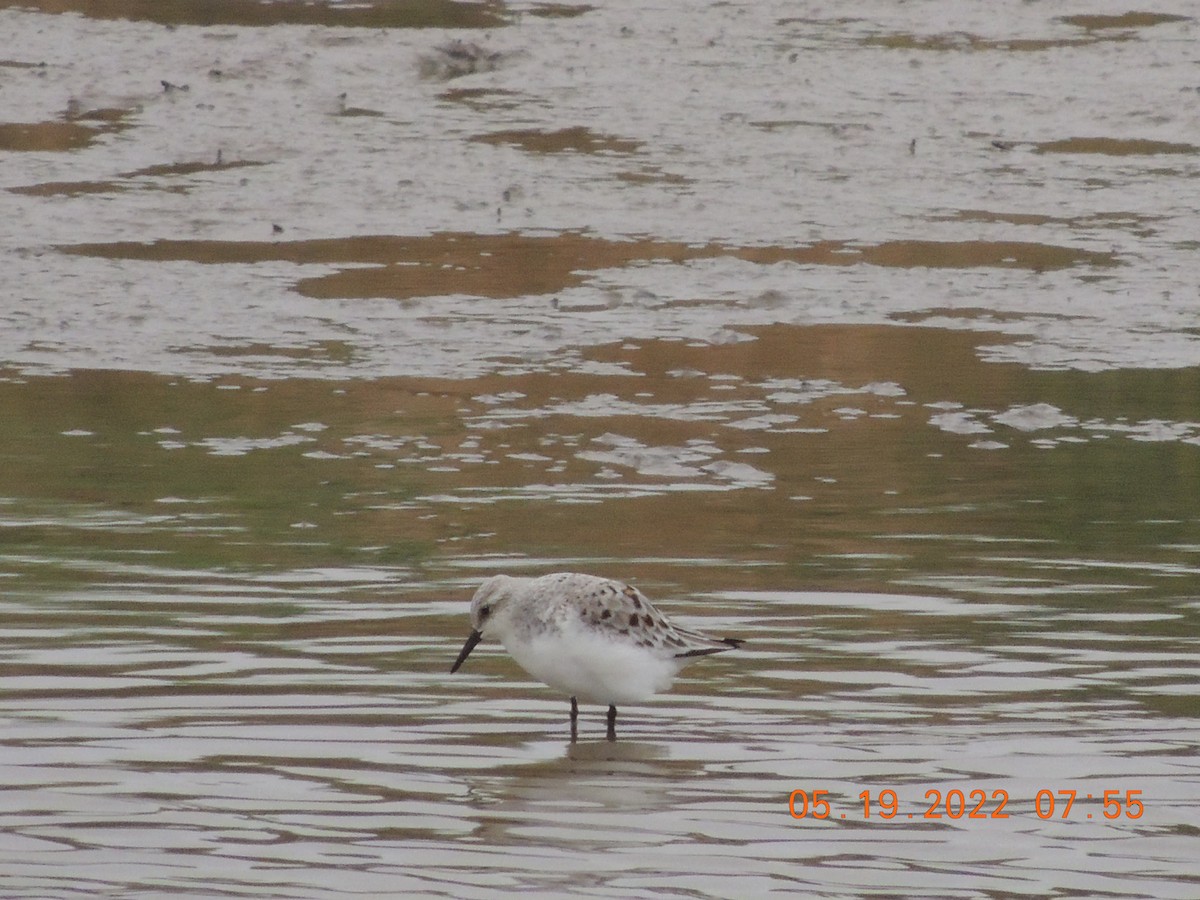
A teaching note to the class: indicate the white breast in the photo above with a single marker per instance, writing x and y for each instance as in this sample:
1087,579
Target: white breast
582,663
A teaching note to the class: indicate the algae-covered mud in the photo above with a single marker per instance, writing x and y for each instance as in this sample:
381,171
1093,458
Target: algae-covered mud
867,335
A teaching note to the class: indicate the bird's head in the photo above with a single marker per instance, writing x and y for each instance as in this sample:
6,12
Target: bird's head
488,606
489,603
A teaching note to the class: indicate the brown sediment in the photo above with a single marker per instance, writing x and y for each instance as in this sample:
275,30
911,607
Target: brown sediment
557,10
75,188
933,254
1114,146
484,98
816,21
652,175
578,139
969,314
52,137
513,264
187,168
68,188
377,14
1096,220
338,351
351,112
73,131
1112,28
1099,22
961,40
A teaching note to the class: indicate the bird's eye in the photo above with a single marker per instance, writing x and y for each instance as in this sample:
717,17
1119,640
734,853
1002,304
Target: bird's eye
484,612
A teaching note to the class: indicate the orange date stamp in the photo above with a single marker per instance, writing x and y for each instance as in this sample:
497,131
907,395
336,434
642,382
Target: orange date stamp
966,804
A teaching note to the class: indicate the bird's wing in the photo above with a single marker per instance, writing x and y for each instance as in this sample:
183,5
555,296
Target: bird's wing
613,606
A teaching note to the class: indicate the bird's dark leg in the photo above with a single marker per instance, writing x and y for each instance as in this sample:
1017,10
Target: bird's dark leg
574,720
612,722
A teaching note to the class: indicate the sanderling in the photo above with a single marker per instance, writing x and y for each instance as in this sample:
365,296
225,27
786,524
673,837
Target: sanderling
590,637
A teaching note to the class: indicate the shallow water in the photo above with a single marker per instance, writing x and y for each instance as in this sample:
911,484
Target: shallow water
869,339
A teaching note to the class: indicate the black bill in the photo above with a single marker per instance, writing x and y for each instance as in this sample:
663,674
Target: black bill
474,639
